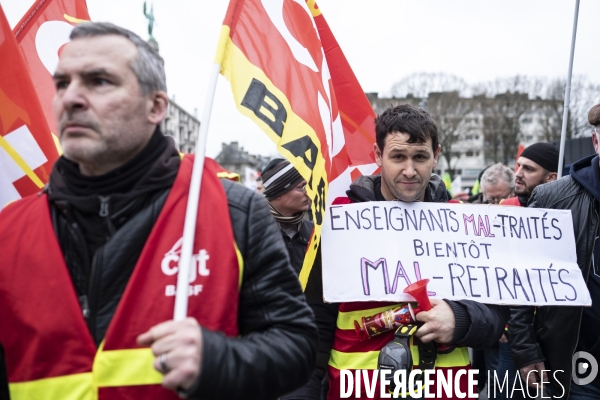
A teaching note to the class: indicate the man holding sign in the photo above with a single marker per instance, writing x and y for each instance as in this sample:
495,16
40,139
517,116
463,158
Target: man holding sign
407,151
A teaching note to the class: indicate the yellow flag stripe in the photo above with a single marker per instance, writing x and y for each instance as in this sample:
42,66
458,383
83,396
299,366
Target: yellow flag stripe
57,143
20,162
221,45
73,19
240,72
229,175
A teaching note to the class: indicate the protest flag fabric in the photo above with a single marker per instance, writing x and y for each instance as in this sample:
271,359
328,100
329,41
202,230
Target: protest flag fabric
272,55
27,150
352,152
42,31
519,151
222,172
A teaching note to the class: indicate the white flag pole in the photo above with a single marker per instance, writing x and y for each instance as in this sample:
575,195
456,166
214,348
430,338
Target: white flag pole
191,212
563,133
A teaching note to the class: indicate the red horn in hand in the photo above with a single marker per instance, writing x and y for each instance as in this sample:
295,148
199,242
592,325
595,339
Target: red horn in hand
418,290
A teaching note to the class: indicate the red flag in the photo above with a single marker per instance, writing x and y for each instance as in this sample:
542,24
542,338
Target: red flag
519,151
353,151
272,55
27,150
42,31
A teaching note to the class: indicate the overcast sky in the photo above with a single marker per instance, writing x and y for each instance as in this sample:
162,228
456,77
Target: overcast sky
384,41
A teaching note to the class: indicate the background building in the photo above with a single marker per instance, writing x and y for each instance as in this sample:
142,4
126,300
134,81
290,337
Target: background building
182,126
481,130
235,159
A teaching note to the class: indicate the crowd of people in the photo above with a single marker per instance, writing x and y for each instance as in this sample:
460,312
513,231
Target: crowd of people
85,303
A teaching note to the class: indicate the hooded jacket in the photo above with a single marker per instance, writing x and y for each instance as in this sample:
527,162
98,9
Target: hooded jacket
552,334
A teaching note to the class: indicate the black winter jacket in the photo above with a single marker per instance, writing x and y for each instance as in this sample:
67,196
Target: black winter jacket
551,334
296,245
478,325
277,347
275,352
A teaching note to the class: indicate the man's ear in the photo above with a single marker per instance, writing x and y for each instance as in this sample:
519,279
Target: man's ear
436,155
551,177
157,107
378,155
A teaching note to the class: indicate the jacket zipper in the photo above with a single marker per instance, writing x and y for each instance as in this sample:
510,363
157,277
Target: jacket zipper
104,206
95,271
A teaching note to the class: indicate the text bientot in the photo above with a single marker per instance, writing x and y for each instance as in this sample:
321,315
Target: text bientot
493,254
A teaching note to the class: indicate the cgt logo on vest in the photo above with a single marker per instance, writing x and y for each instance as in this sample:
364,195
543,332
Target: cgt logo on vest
169,267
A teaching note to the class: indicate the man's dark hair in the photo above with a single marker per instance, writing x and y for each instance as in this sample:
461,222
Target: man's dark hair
407,119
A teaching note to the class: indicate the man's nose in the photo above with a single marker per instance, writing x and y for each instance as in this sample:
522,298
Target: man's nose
409,169
73,97
519,172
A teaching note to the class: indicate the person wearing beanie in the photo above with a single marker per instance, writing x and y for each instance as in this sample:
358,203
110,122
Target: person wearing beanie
285,190
552,339
538,164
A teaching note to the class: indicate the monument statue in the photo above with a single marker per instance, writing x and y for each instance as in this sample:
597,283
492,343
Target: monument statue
150,17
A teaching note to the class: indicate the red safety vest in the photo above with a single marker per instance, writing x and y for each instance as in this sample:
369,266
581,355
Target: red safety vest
49,351
348,352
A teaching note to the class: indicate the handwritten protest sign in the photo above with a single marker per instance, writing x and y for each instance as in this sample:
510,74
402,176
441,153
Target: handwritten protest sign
491,254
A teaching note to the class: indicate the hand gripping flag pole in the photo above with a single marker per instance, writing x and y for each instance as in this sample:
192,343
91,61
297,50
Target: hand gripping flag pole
563,133
191,212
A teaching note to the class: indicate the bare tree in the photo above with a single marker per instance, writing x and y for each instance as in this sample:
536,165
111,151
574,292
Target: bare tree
422,83
584,94
443,97
507,105
503,106
449,110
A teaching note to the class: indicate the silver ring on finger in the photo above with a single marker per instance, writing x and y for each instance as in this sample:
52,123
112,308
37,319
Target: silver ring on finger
163,363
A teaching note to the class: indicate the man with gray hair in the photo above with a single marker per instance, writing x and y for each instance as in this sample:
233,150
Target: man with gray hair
497,184
90,264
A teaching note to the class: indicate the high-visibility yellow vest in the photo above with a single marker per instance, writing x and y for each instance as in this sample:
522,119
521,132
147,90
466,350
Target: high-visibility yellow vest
350,353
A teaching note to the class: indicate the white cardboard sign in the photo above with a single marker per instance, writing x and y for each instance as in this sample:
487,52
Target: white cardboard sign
490,254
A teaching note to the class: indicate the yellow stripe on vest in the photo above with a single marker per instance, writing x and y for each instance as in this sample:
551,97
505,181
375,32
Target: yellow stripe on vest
129,367
346,320
75,387
368,360
113,368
